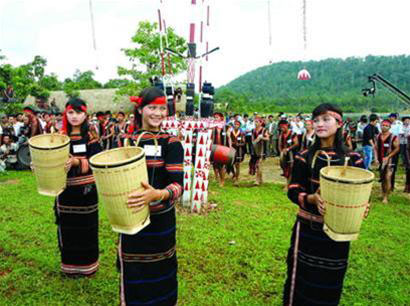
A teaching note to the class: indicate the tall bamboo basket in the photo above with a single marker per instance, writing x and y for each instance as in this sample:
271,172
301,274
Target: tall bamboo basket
49,154
117,173
346,192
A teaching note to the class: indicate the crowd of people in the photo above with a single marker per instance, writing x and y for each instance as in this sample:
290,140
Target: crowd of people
147,261
383,143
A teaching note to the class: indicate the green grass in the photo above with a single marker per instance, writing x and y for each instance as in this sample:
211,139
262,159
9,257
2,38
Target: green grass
232,255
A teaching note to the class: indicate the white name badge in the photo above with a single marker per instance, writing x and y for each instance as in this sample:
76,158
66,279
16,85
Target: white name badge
239,138
81,148
150,150
386,145
290,141
224,134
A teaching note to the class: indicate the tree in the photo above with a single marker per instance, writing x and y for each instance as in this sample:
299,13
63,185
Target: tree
38,67
333,80
51,82
80,80
116,83
39,92
145,57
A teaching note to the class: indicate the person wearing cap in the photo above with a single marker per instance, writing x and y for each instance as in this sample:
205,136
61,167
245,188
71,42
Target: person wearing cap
387,147
76,208
147,260
316,264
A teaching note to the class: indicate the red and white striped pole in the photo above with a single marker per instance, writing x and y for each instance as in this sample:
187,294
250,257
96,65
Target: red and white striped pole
161,48
191,61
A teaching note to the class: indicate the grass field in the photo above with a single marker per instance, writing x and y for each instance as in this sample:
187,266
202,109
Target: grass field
233,254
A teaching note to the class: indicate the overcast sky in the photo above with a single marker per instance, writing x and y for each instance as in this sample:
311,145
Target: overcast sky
60,31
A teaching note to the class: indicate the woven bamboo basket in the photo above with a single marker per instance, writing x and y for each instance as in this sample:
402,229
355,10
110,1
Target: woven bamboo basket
346,192
118,172
49,154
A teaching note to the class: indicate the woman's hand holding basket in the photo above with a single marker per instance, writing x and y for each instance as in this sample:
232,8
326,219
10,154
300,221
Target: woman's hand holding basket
137,200
71,162
317,200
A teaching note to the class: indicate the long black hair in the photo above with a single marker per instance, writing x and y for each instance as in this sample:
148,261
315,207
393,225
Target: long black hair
79,106
338,144
147,95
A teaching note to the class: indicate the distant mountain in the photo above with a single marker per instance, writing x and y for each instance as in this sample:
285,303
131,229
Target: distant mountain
276,87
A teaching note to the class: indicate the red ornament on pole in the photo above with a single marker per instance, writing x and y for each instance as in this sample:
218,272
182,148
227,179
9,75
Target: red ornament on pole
304,75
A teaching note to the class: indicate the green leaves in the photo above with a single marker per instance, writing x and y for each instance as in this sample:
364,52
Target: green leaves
333,80
145,57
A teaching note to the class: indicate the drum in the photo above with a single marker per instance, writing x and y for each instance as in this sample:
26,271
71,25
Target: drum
24,157
223,155
346,191
49,154
117,173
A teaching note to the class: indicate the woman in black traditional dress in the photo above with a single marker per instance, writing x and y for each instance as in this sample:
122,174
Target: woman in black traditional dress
387,147
259,137
148,262
407,152
316,264
308,137
288,146
220,136
238,143
76,208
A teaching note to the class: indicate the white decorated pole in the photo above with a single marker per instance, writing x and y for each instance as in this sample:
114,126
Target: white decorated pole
199,171
188,139
207,165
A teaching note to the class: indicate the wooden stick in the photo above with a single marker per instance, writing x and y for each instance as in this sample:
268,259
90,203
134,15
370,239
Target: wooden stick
343,173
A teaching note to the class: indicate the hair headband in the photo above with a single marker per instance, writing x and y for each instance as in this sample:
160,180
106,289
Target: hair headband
157,101
65,120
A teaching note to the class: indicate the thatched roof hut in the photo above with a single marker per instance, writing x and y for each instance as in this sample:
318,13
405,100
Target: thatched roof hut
97,100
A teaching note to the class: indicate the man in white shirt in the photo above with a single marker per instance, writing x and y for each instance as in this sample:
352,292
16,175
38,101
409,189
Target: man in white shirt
396,125
247,128
395,129
15,124
8,151
298,127
403,137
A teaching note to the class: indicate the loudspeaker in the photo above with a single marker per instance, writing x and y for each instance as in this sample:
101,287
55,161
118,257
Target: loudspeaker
208,88
207,103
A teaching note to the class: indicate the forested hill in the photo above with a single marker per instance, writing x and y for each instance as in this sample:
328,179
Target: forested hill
276,87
